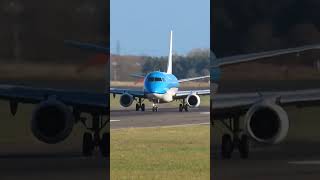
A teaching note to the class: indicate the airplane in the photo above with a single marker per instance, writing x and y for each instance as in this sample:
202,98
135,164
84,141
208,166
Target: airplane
58,110
264,118
161,87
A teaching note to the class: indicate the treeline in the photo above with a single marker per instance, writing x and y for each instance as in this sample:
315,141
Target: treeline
195,63
252,26
34,31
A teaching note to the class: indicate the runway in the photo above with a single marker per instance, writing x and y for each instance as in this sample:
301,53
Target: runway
50,167
293,160
40,161
297,157
164,117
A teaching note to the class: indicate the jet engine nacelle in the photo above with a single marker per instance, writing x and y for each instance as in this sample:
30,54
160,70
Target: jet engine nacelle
193,100
267,123
126,100
52,121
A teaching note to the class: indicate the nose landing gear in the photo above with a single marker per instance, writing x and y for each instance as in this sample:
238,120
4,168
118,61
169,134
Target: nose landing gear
154,108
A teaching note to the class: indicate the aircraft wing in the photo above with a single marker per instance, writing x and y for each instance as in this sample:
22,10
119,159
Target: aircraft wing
224,105
88,46
83,101
193,79
256,56
184,94
138,75
134,93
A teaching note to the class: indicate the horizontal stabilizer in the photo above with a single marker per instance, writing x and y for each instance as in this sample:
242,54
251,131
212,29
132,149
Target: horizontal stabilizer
88,46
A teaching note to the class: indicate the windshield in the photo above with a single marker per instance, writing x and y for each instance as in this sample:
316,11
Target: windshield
153,79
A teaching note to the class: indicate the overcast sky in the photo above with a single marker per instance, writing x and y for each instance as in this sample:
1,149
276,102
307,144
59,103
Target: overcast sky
142,26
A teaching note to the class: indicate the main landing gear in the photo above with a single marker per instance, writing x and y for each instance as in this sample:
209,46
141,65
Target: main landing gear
183,106
92,140
238,140
140,105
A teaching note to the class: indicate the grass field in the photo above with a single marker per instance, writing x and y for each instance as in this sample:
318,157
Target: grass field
161,153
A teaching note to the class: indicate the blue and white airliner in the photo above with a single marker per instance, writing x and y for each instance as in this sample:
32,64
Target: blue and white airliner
57,111
161,87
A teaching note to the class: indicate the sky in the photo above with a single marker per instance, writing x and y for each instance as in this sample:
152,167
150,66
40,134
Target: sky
142,27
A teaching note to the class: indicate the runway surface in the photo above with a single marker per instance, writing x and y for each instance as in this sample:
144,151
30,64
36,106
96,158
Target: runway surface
50,162
164,117
293,160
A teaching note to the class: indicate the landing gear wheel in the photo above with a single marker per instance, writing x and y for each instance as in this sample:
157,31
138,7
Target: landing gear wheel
137,107
105,145
143,107
180,107
87,144
226,146
186,108
244,147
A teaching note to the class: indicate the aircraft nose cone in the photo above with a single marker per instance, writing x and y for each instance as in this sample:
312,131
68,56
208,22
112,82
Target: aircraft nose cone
155,89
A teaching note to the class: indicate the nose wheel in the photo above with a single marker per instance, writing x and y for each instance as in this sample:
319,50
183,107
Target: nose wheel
92,140
155,108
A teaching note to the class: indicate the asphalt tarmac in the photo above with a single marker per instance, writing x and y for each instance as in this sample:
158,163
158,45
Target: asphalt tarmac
31,159
291,160
50,162
129,118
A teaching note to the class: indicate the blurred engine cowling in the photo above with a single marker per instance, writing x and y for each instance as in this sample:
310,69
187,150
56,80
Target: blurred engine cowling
267,123
52,121
193,100
126,100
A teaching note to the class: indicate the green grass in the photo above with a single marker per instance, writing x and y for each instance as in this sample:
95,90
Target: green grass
115,103
161,153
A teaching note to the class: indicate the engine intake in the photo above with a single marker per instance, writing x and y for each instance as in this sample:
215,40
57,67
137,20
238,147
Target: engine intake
52,122
193,100
126,100
267,123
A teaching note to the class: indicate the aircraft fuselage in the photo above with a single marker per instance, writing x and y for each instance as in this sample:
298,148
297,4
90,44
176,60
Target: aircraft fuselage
160,87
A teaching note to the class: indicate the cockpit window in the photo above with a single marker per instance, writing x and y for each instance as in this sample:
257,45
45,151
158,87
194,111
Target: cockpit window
153,79
157,79
150,79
